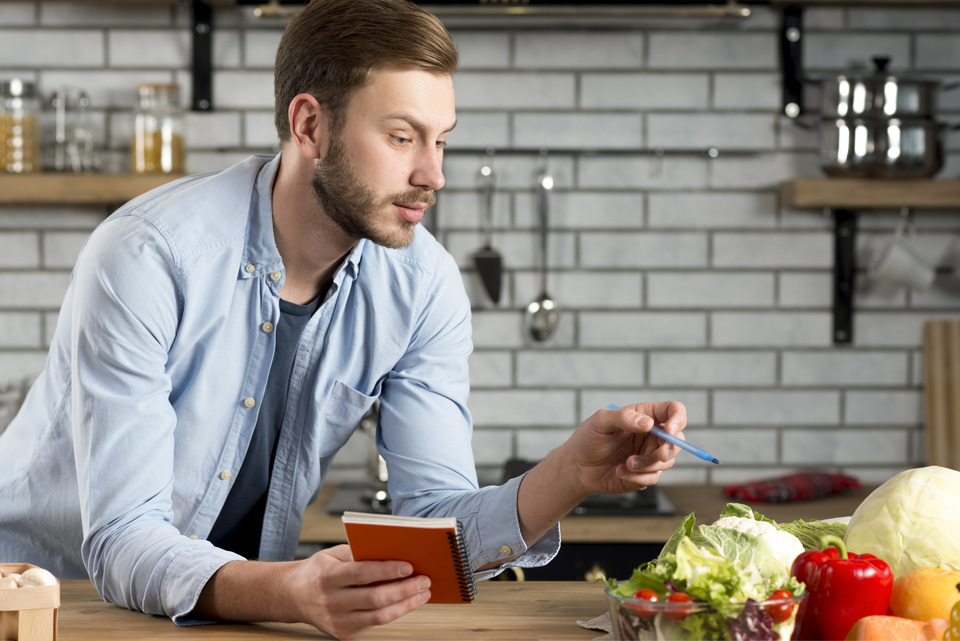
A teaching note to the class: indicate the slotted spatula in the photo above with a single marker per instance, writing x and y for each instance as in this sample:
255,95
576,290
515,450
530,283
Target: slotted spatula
488,260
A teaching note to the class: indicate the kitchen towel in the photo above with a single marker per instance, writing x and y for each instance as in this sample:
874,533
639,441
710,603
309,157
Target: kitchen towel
800,486
601,623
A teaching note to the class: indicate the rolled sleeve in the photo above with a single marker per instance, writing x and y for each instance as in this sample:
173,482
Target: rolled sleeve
185,577
494,534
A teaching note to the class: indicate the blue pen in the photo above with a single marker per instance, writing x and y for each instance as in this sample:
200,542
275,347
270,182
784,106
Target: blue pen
670,438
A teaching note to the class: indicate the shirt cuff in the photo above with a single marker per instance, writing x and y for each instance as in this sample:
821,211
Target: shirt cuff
500,537
185,577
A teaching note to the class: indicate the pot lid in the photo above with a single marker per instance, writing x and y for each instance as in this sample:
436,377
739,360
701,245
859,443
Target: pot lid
880,74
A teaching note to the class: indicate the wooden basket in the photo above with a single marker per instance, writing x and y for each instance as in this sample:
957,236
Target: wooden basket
28,614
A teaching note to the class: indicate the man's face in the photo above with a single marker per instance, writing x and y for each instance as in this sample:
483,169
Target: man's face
382,168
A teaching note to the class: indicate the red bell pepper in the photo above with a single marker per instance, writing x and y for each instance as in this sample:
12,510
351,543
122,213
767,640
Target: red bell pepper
842,588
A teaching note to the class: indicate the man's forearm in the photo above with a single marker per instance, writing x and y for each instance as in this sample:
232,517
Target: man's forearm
248,591
547,493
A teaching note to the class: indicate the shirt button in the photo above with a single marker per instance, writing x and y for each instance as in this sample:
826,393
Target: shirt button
267,327
250,268
193,537
249,401
225,474
275,276
506,550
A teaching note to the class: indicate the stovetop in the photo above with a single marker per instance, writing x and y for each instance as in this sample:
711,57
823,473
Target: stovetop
648,502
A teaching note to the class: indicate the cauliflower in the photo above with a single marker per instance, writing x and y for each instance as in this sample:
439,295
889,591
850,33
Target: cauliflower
785,546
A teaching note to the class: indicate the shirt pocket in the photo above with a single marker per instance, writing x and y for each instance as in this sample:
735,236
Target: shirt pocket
344,410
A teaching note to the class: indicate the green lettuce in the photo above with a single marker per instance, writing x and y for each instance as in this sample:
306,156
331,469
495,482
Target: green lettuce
743,550
707,575
716,564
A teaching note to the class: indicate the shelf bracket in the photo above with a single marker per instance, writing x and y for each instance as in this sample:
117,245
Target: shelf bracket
202,87
791,60
844,268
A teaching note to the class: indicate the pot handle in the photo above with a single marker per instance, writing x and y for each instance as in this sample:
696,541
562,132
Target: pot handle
881,63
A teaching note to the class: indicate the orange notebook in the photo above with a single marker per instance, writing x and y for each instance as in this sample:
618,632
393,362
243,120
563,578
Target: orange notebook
435,547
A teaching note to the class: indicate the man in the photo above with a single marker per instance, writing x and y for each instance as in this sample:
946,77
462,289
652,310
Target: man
223,335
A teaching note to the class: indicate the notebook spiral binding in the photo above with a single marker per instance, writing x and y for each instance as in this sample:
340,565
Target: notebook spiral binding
458,549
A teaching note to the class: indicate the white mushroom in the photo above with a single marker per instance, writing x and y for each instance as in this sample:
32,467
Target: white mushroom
10,581
36,577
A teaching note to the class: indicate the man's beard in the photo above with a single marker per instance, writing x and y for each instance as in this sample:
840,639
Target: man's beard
353,207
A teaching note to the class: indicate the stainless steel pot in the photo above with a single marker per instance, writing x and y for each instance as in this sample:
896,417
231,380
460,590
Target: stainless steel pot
881,148
878,94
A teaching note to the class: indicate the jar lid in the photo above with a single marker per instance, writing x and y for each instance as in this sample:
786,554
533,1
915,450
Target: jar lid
167,94
18,88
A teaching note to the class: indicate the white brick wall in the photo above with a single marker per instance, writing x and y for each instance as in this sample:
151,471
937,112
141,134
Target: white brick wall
680,275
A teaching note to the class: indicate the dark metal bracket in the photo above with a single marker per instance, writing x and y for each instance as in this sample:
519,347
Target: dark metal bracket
844,269
202,87
791,60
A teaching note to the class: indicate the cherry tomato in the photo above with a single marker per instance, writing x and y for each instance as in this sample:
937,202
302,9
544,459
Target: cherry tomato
679,612
780,612
642,609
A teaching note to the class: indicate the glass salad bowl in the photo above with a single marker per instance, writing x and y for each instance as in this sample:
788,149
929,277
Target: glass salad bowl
635,619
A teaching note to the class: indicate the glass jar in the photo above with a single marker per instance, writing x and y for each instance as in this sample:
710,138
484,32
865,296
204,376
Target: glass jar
157,146
19,129
67,141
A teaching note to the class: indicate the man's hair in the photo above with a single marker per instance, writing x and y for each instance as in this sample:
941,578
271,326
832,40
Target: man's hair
331,48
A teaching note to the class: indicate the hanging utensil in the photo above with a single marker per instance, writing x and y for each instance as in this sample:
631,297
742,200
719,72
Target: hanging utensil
543,312
489,262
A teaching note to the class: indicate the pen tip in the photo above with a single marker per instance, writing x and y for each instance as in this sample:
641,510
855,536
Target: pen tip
716,461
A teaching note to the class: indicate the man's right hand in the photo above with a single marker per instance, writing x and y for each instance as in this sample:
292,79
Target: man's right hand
344,597
328,590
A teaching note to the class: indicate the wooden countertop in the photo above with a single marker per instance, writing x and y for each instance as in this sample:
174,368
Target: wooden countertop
518,611
705,501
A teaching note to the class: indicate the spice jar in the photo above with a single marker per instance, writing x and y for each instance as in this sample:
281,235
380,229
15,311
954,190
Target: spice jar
158,130
19,131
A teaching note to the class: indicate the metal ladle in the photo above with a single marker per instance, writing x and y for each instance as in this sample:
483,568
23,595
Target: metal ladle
543,312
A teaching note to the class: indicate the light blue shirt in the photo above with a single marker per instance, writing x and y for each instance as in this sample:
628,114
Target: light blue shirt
124,451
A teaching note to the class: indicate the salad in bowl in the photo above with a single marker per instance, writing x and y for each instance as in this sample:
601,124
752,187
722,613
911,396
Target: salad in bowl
726,580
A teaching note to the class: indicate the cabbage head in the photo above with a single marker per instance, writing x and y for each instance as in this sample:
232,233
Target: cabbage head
911,521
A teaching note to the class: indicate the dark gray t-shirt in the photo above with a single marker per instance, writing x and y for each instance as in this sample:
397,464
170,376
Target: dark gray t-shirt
241,520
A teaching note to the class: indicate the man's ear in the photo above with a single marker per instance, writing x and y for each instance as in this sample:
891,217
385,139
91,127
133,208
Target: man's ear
309,126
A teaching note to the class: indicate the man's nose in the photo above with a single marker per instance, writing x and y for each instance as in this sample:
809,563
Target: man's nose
428,173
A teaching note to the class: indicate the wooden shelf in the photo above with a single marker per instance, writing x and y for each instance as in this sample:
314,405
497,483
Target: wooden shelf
850,193
77,189
846,197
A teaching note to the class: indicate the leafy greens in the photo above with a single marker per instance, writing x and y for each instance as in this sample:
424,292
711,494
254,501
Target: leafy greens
723,567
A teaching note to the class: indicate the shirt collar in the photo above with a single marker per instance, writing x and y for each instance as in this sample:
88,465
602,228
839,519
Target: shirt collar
260,253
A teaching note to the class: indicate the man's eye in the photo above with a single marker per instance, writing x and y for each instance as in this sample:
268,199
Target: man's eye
441,144
400,140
